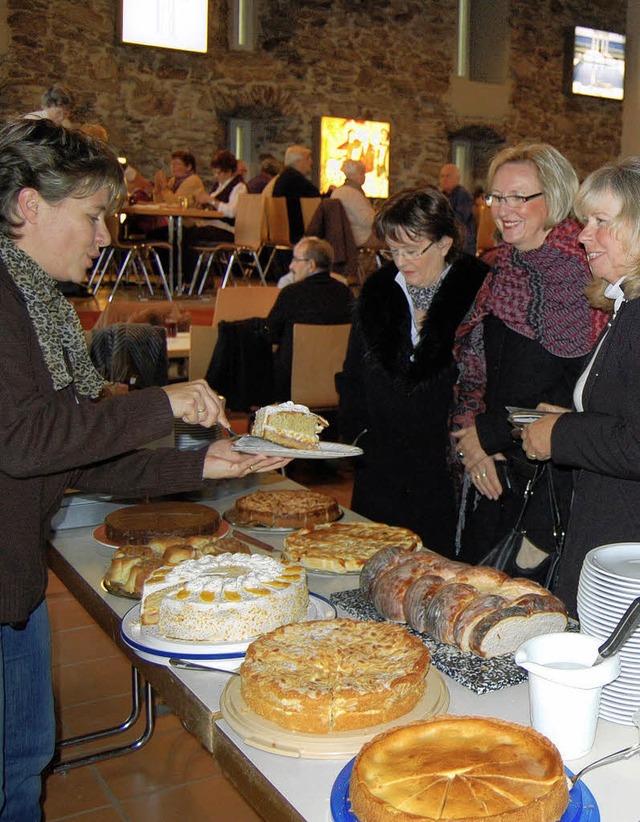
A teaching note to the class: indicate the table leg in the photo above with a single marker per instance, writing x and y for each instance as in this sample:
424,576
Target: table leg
179,252
171,232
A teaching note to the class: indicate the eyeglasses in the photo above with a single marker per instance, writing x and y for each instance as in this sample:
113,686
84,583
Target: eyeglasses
407,253
512,200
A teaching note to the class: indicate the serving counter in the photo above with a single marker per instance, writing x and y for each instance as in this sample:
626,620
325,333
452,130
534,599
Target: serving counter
282,787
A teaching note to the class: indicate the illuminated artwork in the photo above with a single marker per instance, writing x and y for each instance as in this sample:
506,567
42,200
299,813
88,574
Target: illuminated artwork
366,140
172,24
598,63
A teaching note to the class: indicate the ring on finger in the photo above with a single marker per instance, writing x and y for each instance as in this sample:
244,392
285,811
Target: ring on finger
483,474
201,410
461,454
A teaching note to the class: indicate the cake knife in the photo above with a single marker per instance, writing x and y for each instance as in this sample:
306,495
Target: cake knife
257,543
174,662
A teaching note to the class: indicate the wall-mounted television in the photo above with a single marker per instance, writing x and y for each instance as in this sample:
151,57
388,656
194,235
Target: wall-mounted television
597,63
343,139
169,24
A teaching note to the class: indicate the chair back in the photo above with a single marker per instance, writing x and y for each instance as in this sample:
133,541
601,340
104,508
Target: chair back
318,355
241,303
249,221
277,221
309,206
203,340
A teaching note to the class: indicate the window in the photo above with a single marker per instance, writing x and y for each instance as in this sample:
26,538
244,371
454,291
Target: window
242,24
483,40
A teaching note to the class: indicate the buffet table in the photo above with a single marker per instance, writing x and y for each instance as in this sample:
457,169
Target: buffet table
281,787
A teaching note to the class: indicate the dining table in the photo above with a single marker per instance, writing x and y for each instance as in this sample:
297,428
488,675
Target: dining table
281,784
174,214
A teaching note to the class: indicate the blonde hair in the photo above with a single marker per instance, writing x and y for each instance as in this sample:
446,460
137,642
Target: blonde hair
620,178
558,179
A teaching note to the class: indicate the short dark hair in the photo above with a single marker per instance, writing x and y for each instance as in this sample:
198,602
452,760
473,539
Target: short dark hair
224,160
320,251
419,213
58,96
271,166
57,163
186,156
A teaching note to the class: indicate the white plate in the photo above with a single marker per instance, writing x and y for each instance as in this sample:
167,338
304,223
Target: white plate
618,560
325,451
146,638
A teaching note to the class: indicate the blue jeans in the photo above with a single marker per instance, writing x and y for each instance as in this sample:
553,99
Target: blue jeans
29,721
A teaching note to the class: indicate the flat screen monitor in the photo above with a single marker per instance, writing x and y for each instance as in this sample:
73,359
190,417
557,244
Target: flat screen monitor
170,24
366,140
598,63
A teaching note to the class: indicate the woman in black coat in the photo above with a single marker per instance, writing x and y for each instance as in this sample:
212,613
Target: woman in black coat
396,389
600,438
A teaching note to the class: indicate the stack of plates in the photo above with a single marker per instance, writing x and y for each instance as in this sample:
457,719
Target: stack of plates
609,582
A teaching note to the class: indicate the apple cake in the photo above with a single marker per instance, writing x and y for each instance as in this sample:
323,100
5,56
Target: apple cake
289,424
344,548
463,768
336,675
286,509
230,597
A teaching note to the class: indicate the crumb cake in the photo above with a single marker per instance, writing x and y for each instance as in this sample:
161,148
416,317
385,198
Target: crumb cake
345,547
230,597
140,523
289,424
286,509
463,768
335,675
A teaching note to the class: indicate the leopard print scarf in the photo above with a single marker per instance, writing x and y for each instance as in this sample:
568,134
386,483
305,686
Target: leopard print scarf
55,321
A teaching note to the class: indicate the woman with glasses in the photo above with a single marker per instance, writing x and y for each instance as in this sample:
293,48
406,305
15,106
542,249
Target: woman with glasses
396,389
526,343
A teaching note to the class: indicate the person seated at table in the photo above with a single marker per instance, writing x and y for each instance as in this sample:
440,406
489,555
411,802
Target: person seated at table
359,210
293,184
315,298
184,184
269,169
224,199
57,105
58,430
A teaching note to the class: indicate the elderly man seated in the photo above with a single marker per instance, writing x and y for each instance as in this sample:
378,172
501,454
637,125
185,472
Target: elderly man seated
358,209
293,184
314,298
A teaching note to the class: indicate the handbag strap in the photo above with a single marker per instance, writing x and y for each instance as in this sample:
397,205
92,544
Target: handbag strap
528,493
558,528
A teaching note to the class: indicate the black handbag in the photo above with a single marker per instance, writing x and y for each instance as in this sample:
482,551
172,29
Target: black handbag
506,554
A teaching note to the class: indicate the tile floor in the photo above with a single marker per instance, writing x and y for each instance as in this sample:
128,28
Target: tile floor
173,777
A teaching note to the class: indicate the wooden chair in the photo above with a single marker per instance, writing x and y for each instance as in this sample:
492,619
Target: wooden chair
243,252
309,206
203,341
318,355
235,304
138,256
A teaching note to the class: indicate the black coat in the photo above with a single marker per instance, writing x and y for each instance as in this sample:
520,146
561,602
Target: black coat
603,444
317,300
293,185
403,402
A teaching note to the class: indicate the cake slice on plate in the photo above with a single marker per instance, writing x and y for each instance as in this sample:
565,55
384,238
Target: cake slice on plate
289,424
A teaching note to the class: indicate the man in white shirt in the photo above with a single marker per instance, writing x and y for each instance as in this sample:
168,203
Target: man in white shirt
359,210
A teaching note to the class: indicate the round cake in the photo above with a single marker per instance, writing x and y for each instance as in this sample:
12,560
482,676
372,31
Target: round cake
286,509
334,675
345,547
230,597
140,523
468,769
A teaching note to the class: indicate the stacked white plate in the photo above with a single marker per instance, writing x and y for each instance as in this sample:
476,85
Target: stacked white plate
609,582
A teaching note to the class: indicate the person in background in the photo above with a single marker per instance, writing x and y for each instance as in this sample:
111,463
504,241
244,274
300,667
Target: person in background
96,131
315,298
223,198
58,430
526,343
269,169
359,210
57,105
242,170
184,185
293,184
396,387
461,202
599,438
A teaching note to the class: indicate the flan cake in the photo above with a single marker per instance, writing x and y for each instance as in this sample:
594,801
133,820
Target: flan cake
139,524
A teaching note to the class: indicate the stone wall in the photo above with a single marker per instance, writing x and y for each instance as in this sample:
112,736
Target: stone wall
372,59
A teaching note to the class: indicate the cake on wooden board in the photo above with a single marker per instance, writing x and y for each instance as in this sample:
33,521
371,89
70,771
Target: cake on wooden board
286,509
463,768
230,597
289,424
335,675
140,523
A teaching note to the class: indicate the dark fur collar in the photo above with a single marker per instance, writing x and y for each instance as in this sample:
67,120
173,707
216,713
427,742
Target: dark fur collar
385,321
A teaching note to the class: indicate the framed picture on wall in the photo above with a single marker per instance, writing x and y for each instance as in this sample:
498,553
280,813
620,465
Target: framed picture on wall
348,139
169,24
